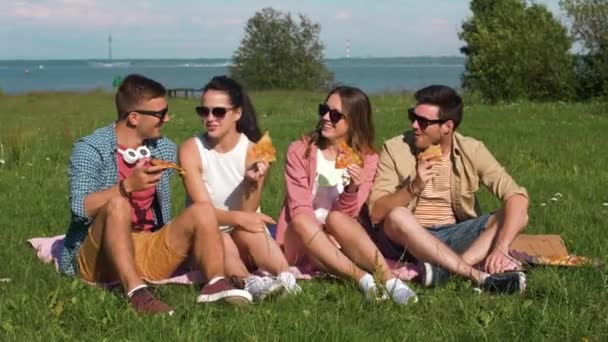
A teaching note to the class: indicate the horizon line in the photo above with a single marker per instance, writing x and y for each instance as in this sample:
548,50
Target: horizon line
222,58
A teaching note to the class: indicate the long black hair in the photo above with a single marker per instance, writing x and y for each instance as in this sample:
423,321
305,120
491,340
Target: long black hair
248,123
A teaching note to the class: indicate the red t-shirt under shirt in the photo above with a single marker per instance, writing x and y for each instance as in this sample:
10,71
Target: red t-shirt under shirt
142,216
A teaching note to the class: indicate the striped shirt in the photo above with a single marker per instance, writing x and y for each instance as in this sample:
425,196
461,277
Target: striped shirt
434,207
92,168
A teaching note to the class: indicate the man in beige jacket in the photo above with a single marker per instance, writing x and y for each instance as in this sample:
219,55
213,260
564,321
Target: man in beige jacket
424,207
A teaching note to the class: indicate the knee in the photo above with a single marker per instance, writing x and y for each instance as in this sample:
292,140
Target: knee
302,224
202,216
298,221
117,206
398,220
335,220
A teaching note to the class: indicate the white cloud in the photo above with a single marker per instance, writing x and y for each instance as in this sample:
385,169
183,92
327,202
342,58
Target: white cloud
85,14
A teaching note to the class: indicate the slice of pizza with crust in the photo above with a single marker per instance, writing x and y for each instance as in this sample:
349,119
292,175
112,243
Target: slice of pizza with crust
262,150
432,152
167,165
347,156
568,260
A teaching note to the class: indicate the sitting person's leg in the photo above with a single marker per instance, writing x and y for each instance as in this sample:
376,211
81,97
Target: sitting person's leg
314,242
402,228
196,230
479,249
304,235
233,264
358,246
107,255
262,250
238,253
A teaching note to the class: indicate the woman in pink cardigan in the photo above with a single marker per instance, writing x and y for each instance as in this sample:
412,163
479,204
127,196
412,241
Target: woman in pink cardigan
318,221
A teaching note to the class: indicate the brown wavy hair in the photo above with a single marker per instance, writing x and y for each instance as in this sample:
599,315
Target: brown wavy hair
357,110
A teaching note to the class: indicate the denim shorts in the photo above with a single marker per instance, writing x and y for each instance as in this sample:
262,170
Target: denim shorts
458,237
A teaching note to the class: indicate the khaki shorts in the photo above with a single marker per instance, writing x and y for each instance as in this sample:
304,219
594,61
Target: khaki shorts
155,259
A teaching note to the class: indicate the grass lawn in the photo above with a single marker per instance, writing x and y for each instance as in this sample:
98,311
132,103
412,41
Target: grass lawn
548,148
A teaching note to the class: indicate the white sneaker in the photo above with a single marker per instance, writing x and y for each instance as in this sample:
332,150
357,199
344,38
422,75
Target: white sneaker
288,280
399,292
371,291
262,287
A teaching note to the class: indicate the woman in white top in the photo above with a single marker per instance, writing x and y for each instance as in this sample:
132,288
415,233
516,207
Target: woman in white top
217,168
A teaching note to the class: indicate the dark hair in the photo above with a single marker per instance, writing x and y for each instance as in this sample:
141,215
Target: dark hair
133,90
248,123
357,111
447,99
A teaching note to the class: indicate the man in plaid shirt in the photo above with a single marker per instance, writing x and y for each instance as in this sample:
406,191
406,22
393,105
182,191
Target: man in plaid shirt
121,228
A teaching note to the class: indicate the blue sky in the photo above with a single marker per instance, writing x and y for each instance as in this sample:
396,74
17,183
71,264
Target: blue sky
67,29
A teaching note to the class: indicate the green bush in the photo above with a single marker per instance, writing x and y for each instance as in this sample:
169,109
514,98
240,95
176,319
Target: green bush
515,52
279,52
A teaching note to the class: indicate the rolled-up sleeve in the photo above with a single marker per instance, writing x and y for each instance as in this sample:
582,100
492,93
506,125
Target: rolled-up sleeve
84,166
387,179
494,176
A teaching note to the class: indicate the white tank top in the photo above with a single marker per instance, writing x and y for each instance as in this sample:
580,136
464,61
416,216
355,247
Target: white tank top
223,173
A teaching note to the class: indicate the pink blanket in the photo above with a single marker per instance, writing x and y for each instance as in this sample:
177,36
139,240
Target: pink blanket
48,250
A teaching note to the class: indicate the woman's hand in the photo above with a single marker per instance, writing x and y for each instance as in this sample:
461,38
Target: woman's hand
356,178
253,222
256,171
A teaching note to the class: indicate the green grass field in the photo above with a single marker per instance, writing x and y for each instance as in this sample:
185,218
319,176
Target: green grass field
548,148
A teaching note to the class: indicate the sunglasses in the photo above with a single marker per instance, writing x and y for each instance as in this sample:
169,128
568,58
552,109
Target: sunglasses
334,115
422,122
218,112
159,114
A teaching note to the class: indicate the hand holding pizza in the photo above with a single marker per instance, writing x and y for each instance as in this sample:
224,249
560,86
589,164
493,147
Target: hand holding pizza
262,150
256,171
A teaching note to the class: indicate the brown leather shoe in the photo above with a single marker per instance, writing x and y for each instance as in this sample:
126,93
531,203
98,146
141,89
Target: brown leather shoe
143,301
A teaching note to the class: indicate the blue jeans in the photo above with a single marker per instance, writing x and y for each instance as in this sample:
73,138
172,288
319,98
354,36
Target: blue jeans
458,237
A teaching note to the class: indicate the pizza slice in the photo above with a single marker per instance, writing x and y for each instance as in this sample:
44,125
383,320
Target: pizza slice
568,260
432,152
262,150
347,156
168,165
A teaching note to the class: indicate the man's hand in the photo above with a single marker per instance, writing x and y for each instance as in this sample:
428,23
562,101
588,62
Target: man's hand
499,261
143,177
425,171
253,222
256,171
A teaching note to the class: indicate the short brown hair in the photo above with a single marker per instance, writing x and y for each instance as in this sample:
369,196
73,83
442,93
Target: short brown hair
447,99
133,90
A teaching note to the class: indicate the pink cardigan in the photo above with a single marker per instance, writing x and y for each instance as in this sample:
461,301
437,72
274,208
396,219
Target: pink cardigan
300,173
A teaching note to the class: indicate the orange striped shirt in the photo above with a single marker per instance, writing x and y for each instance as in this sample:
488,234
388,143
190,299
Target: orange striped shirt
434,207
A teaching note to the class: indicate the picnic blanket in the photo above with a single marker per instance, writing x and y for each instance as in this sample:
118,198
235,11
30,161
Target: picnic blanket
48,250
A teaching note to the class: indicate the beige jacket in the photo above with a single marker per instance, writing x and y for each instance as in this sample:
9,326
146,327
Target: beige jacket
472,164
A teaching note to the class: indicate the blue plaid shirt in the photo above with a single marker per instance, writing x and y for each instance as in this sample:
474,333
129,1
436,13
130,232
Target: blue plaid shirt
92,168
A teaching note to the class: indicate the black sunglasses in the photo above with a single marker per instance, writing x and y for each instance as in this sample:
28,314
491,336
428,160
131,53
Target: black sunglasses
422,122
218,112
159,114
334,115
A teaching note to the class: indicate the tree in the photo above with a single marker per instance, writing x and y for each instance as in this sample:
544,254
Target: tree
516,51
278,52
589,26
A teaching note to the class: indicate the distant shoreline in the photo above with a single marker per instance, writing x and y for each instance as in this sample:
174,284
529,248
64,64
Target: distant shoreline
455,57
